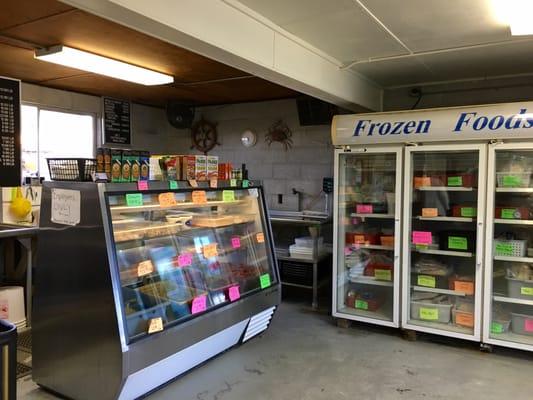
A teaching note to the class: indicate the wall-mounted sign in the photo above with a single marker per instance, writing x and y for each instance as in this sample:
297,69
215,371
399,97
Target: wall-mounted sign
117,121
485,122
10,169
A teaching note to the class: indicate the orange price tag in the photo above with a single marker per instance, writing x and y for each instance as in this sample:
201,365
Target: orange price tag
430,212
465,287
167,199
213,183
359,239
210,250
464,319
199,197
145,268
260,237
422,181
156,325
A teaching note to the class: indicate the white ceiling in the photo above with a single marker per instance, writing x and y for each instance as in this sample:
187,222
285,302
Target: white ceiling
430,37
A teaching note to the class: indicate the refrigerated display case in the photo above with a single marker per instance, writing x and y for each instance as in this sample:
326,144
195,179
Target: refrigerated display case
138,286
509,265
443,239
366,271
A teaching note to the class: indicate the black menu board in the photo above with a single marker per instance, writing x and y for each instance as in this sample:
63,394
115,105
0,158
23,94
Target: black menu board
10,169
117,122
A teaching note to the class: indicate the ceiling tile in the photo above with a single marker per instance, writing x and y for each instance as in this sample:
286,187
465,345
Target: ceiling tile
431,24
11,14
395,72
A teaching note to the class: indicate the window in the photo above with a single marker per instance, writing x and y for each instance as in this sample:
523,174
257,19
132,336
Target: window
48,134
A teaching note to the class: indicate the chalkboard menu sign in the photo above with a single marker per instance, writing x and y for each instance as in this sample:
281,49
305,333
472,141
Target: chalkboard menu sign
117,122
10,170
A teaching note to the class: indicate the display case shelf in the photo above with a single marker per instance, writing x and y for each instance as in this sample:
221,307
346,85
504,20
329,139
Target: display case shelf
513,221
382,216
444,252
514,259
442,326
438,290
378,314
514,190
446,219
157,207
513,337
445,189
371,281
373,247
505,299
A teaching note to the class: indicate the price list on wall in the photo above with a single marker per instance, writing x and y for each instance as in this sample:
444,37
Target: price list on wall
117,123
10,169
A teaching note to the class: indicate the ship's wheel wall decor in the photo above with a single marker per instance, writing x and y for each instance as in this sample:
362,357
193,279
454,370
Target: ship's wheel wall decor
204,135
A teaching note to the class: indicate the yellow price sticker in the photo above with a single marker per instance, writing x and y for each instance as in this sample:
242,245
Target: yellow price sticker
383,274
156,325
167,199
199,197
228,195
210,250
526,291
426,280
429,314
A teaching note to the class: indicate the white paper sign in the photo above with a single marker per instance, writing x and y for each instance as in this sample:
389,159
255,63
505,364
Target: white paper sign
66,206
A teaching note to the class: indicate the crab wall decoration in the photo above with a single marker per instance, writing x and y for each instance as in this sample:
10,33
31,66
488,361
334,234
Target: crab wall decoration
279,132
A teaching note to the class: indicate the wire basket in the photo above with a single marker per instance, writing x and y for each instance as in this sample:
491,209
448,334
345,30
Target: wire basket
513,179
71,169
510,248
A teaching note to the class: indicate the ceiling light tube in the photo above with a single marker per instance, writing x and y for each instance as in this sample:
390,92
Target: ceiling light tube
90,62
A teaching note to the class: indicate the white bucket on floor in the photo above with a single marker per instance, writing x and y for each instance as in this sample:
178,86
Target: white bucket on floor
12,304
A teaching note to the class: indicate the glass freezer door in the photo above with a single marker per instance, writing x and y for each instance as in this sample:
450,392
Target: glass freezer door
367,231
443,235
509,271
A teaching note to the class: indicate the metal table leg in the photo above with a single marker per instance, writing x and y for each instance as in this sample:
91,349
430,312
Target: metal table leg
27,243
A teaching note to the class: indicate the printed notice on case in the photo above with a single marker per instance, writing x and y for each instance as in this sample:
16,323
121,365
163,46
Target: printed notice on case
66,206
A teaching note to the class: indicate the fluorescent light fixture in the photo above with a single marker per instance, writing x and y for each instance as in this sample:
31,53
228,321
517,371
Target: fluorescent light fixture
516,14
90,62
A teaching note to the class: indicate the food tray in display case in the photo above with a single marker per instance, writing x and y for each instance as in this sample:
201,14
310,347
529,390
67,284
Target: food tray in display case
164,279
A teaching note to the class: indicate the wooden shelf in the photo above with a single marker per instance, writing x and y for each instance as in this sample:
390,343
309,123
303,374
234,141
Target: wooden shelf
445,189
505,299
446,219
437,290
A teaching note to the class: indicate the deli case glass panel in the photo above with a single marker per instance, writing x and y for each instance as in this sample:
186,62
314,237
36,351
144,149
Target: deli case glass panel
509,294
367,262
182,254
442,248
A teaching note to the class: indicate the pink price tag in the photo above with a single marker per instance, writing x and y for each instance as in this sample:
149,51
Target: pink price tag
185,259
528,325
142,185
199,304
234,293
364,209
420,237
236,242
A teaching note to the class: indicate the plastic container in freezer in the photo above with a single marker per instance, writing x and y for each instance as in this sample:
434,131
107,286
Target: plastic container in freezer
431,312
519,289
522,324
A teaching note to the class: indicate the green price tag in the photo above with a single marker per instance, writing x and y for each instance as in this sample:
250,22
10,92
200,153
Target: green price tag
228,195
457,243
421,246
233,182
512,181
264,281
429,314
245,183
426,280
526,291
496,327
455,181
468,212
508,213
504,249
361,304
383,274
172,184
134,199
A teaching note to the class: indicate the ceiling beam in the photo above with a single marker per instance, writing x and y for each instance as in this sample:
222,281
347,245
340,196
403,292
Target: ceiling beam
229,33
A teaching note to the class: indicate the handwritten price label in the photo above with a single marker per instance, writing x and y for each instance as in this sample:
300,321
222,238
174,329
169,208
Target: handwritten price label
364,209
145,268
264,281
234,293
236,242
193,183
184,260
142,185
156,325
199,304
199,197
233,182
420,237
228,195
245,183
210,250
260,237
213,183
134,199
172,184
167,199
430,212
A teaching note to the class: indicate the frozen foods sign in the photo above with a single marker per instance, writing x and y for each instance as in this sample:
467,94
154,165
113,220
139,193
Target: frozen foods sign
66,206
500,121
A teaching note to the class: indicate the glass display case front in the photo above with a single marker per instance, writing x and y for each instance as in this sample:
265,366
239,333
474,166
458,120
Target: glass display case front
183,253
509,283
368,217
443,239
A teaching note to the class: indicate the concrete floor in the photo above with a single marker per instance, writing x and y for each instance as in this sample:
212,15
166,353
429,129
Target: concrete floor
305,356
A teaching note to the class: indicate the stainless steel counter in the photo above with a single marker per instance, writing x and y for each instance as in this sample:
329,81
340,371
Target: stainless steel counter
7,231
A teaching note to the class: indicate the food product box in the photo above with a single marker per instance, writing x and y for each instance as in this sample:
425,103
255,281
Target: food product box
107,162
361,238
212,167
116,165
188,167
171,168
457,241
462,284
100,160
224,171
135,166
155,171
200,168
144,161
387,240
463,314
512,212
429,280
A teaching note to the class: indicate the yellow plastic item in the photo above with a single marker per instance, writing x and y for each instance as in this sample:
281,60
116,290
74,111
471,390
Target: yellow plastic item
20,207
